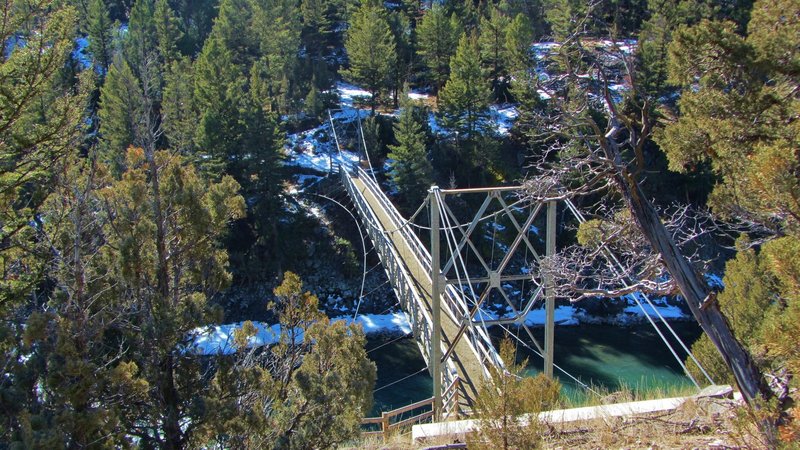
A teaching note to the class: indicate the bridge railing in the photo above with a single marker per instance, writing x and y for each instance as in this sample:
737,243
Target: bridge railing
455,303
420,411
401,280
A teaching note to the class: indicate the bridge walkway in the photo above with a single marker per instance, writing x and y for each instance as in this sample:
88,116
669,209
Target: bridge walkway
469,368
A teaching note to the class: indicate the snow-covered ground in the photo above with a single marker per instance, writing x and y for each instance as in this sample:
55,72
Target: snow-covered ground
218,339
567,315
315,149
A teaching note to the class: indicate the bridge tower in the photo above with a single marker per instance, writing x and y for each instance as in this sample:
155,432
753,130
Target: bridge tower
467,276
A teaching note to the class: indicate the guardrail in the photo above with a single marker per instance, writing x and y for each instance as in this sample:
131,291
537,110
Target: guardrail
404,284
389,421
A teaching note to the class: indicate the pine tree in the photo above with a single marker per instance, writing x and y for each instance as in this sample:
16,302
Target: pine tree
492,41
277,30
178,110
233,31
310,390
140,45
410,169
403,37
317,27
465,97
437,38
168,33
99,28
564,16
118,112
371,49
518,38
216,80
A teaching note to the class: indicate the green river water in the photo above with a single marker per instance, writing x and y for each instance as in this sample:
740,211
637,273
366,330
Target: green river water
599,355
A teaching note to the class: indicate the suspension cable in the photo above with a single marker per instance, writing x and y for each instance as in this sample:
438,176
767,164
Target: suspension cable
363,248
617,267
400,380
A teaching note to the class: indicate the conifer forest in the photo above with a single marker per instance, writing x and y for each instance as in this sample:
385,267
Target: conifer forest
155,155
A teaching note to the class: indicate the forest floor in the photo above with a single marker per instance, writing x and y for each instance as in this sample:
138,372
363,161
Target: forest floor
703,423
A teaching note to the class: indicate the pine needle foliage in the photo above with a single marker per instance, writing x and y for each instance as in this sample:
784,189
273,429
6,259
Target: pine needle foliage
411,170
372,50
507,406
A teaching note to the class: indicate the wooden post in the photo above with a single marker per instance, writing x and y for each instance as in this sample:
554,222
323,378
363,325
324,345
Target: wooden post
436,308
550,298
385,426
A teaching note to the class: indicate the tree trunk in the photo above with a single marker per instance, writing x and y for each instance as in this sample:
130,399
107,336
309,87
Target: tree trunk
701,301
169,396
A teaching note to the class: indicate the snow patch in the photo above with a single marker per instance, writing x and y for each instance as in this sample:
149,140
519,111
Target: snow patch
218,339
348,93
503,116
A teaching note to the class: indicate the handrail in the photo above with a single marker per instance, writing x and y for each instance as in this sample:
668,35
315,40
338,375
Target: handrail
454,303
414,243
388,254
481,344
385,420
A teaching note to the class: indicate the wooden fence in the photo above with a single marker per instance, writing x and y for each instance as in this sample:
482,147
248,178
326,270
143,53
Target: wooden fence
392,420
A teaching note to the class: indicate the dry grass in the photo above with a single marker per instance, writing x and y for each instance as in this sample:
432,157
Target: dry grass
705,423
702,423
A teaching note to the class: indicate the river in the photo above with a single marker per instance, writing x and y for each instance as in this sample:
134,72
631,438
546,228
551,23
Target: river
599,355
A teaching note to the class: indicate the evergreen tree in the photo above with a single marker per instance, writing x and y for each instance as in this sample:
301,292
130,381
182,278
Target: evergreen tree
164,238
737,115
99,29
216,80
168,33
309,390
465,97
403,36
119,112
276,29
410,169
492,41
233,31
179,114
238,136
372,50
533,10
317,27
518,38
565,16
140,46
437,38
90,384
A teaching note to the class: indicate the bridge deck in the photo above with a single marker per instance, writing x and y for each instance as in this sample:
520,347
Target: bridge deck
469,367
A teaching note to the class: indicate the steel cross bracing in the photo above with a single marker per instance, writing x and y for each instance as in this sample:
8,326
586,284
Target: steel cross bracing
499,275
